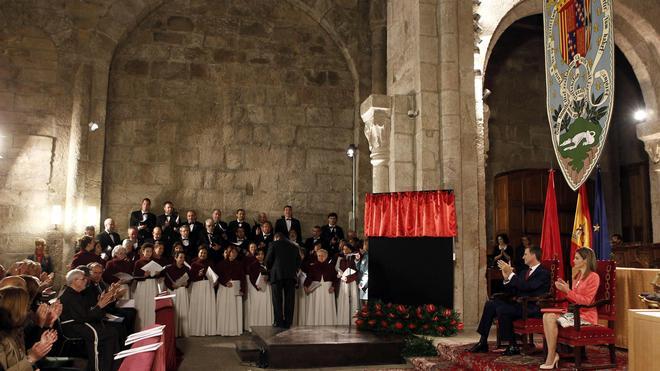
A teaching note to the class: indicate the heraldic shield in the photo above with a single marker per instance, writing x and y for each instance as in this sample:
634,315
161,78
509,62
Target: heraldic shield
579,70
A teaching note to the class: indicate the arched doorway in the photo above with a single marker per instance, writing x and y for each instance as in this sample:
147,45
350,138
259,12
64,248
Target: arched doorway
518,136
637,39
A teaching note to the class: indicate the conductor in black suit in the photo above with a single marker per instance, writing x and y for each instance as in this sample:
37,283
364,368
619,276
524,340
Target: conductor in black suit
533,281
287,222
108,238
283,261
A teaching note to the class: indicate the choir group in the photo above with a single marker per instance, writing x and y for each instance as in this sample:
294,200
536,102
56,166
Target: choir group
217,271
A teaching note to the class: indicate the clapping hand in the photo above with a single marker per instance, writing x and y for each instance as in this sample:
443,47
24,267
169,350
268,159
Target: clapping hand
43,346
105,299
505,267
54,312
331,289
562,285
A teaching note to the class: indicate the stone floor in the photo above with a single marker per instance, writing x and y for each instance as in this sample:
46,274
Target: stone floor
218,353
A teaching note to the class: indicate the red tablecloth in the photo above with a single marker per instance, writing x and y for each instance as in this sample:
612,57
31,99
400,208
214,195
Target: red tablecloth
146,361
165,316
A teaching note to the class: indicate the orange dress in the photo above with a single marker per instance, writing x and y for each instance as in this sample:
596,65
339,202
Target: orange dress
584,292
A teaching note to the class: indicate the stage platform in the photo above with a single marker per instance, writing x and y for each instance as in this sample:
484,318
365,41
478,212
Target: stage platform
325,346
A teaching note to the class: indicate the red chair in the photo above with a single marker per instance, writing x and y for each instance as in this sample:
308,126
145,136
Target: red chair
527,327
579,337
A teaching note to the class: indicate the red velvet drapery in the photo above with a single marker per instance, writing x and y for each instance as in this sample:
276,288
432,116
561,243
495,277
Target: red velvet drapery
410,214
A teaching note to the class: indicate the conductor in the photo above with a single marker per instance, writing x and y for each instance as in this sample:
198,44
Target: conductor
283,261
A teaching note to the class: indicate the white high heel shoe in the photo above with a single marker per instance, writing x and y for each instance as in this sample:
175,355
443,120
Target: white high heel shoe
555,364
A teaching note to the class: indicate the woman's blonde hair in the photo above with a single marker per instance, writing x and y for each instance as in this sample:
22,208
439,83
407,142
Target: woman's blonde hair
16,302
588,255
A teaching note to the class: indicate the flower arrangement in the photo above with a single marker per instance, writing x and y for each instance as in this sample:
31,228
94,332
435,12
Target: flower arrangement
427,319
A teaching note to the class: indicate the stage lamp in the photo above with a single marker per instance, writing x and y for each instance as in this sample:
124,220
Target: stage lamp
640,115
350,151
93,126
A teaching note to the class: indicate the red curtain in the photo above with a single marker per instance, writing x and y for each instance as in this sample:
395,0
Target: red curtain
410,214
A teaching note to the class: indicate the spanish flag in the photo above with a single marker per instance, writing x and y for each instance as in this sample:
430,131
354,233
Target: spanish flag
582,232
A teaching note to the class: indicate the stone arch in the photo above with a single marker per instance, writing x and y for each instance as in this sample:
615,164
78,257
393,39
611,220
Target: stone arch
639,42
626,38
213,54
57,26
124,15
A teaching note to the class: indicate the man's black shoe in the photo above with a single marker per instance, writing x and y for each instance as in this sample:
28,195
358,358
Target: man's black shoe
511,350
480,347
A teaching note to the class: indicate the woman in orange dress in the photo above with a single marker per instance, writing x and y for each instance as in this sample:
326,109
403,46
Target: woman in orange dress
585,287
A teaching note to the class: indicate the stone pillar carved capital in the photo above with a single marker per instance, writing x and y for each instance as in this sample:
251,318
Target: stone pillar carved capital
652,148
376,114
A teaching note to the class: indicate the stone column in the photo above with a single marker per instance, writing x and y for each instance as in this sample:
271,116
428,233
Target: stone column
378,26
652,147
376,114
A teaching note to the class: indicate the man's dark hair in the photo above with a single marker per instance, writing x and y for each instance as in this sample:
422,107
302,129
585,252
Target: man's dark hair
617,236
289,207
316,227
279,236
333,214
168,202
536,250
146,199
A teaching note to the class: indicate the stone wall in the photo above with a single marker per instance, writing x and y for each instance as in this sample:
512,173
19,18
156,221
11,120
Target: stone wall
234,104
31,144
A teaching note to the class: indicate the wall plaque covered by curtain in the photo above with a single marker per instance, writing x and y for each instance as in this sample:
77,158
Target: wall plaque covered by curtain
411,247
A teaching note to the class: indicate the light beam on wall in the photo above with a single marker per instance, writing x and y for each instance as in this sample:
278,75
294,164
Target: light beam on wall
56,215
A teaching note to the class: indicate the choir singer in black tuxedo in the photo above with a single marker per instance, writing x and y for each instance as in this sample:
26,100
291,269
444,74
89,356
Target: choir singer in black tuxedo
144,220
533,281
287,222
283,261
108,238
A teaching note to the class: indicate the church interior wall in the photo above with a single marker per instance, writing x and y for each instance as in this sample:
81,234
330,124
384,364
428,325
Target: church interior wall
210,107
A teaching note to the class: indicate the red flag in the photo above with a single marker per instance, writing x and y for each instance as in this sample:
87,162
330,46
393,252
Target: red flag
550,241
582,227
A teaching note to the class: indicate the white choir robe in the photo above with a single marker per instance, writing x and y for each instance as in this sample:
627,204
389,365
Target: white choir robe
300,308
246,306
230,311
202,318
145,292
260,306
321,307
347,302
181,310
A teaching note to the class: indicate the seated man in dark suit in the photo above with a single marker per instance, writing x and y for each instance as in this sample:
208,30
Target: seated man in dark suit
533,281
80,320
95,288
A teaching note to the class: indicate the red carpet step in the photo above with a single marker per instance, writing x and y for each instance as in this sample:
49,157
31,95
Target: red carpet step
455,357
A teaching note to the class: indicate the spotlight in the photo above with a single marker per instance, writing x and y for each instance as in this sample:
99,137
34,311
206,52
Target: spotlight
640,115
93,126
350,151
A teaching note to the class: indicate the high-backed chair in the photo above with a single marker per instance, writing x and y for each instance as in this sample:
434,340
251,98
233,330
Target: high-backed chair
527,327
580,336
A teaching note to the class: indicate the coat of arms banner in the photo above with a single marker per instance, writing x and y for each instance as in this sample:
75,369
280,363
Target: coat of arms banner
579,65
